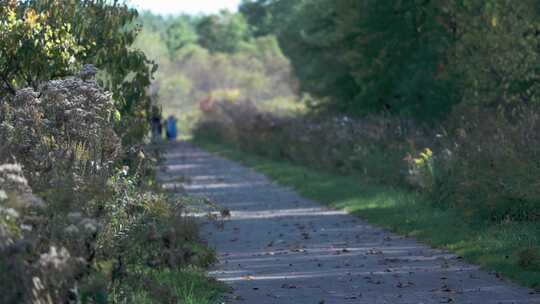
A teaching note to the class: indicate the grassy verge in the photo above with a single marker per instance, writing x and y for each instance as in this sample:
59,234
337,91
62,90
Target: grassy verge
187,286
495,247
144,284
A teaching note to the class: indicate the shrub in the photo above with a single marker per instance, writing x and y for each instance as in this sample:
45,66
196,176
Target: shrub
529,259
70,205
64,133
493,164
483,163
373,147
33,269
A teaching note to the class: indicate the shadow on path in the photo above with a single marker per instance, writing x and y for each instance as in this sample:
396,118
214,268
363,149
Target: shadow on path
278,247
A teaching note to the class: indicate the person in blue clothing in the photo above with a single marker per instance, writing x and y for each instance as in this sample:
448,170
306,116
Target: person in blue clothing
170,127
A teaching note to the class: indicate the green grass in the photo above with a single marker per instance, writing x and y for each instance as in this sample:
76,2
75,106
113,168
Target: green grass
188,286
495,247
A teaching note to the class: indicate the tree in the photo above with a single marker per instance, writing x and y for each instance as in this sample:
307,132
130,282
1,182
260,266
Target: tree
268,17
33,47
364,56
394,52
224,32
48,39
180,34
258,16
497,52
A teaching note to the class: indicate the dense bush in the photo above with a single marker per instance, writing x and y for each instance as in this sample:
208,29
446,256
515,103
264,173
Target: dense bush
69,207
373,147
66,127
482,163
492,164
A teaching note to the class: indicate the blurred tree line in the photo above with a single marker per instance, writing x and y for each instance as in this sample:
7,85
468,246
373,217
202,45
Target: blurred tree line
215,56
410,57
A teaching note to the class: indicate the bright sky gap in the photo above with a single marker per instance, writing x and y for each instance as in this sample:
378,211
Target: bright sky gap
174,7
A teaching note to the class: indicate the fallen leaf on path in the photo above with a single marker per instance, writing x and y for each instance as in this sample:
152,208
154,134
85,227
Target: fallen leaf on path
405,285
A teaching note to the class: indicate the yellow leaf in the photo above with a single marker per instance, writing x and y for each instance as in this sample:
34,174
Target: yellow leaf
494,21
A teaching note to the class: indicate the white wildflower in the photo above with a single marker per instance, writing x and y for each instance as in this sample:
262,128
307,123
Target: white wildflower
3,195
125,170
71,229
10,168
89,225
10,213
37,201
75,216
55,258
26,228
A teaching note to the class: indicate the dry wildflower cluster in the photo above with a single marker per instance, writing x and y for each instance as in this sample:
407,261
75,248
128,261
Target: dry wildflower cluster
63,131
33,269
69,205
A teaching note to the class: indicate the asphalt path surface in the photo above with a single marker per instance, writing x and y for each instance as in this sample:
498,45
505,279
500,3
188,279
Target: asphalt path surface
277,247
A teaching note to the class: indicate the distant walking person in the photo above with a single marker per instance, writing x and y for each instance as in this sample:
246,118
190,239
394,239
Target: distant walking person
155,123
170,124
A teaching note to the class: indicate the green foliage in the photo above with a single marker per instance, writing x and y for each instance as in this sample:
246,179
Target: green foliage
412,58
180,34
497,53
366,56
489,163
224,32
33,47
189,286
45,39
266,17
393,51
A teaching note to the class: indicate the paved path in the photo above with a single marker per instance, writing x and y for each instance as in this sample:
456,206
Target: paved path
278,247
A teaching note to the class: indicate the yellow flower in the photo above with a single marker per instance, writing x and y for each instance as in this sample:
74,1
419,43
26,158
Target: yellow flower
494,21
31,17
